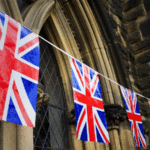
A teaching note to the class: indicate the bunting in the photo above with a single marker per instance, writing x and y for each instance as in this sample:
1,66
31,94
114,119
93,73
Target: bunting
134,116
90,116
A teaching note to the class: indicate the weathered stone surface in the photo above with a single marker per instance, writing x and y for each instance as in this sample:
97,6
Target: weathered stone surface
146,92
114,114
117,11
143,57
143,70
131,27
134,13
112,21
131,4
117,2
132,68
145,27
142,45
147,5
134,37
144,82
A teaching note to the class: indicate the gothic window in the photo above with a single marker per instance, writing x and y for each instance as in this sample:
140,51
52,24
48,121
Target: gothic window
51,128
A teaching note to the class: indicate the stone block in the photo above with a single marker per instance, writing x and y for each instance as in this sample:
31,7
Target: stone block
134,37
141,46
144,82
147,5
131,27
143,70
142,58
145,27
131,4
134,13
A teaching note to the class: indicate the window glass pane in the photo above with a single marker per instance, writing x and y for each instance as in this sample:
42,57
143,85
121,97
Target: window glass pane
51,126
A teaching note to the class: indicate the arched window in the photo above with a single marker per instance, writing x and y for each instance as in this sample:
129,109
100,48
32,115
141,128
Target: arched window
50,131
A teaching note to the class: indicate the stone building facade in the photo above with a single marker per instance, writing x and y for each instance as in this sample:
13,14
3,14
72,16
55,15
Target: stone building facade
112,37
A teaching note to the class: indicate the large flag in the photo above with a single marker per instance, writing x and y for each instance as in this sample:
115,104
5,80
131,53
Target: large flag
134,116
89,110
19,70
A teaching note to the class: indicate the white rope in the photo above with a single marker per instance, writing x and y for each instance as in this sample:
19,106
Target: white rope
86,65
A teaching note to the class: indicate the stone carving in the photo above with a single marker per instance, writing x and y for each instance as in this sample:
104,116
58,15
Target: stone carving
71,117
114,114
41,96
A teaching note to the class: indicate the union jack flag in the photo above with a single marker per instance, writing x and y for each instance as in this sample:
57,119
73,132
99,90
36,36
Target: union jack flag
149,101
90,116
19,70
134,116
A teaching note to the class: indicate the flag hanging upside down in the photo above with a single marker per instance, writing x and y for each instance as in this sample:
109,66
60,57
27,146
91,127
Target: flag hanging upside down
134,116
19,70
89,110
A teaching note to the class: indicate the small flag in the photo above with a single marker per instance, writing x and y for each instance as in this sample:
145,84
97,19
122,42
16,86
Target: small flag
89,110
19,70
134,116
149,101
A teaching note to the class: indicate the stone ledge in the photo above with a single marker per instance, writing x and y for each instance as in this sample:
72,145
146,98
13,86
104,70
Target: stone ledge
134,37
141,46
131,4
131,27
134,13
142,58
143,70
144,83
145,27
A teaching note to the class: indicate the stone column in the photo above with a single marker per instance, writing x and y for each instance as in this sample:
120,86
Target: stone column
8,136
114,114
24,138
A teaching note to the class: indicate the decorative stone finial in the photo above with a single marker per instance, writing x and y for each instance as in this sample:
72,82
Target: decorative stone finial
41,96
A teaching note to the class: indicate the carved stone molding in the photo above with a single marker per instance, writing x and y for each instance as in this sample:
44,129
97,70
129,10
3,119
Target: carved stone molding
114,114
71,117
41,96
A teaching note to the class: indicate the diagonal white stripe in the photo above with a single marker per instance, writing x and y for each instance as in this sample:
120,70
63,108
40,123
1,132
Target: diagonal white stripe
18,109
24,98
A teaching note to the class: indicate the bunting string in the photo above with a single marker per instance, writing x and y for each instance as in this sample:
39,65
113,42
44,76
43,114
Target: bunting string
88,66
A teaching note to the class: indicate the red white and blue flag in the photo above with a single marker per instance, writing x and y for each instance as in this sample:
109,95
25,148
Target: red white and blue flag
19,70
134,116
90,116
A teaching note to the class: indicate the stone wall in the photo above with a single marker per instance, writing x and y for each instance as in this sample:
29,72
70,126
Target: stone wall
130,21
137,21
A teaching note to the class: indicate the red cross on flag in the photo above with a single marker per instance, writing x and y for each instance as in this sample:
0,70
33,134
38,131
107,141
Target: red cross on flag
19,70
90,116
134,116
